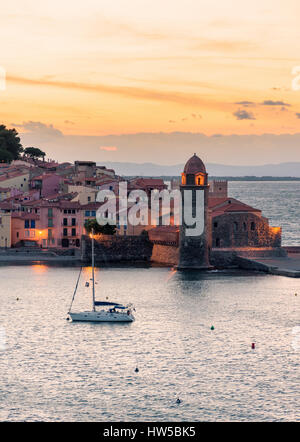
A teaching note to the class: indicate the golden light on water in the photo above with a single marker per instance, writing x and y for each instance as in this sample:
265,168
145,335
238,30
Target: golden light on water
39,268
171,275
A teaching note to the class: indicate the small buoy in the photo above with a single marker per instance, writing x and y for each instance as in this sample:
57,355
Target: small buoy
136,370
178,401
253,345
17,299
212,327
295,294
68,319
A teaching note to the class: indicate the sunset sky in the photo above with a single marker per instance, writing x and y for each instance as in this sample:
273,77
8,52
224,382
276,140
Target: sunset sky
81,76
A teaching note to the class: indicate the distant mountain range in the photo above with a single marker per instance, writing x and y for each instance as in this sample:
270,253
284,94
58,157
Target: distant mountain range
151,169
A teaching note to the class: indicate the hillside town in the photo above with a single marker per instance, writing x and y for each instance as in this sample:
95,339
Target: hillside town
46,204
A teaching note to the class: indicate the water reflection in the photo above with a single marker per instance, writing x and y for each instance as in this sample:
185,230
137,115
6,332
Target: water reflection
55,370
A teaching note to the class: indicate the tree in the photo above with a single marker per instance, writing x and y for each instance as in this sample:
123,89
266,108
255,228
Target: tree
34,152
10,146
92,224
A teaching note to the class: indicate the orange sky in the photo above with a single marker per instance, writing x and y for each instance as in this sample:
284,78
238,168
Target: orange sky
95,68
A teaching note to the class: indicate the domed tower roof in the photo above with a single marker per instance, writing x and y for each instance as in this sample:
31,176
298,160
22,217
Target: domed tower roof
194,165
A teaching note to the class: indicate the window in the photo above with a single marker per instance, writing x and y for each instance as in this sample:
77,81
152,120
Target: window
218,242
32,224
65,211
73,232
235,226
69,211
49,233
73,211
244,227
17,234
65,232
73,221
50,222
50,213
215,225
252,226
0,219
26,223
32,233
87,213
89,198
26,233
65,222
93,212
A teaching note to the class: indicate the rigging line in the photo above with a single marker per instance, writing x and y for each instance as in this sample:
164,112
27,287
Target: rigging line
75,289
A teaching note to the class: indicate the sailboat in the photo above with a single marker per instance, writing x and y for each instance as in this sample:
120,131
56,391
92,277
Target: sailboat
110,311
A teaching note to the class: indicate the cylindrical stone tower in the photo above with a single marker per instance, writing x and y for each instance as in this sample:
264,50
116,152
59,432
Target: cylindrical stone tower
194,229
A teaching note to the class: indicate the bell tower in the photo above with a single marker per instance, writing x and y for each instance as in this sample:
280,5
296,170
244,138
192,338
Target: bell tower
194,229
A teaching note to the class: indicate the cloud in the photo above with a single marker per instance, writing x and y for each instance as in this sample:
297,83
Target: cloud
104,27
109,148
188,99
242,114
274,103
172,147
68,122
225,46
36,127
246,103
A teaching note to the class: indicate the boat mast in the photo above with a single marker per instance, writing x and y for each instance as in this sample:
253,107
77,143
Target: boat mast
93,269
75,290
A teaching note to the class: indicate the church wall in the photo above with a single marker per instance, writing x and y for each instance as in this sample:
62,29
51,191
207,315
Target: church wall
244,230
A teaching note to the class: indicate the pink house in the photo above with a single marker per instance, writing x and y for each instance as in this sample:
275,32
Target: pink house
60,223
48,183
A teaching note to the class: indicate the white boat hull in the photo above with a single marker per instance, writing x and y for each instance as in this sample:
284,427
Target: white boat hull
102,316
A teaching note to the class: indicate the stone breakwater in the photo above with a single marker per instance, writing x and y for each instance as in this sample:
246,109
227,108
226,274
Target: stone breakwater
117,249
134,249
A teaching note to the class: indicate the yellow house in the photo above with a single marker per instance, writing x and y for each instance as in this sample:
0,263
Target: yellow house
15,180
85,195
5,229
4,193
